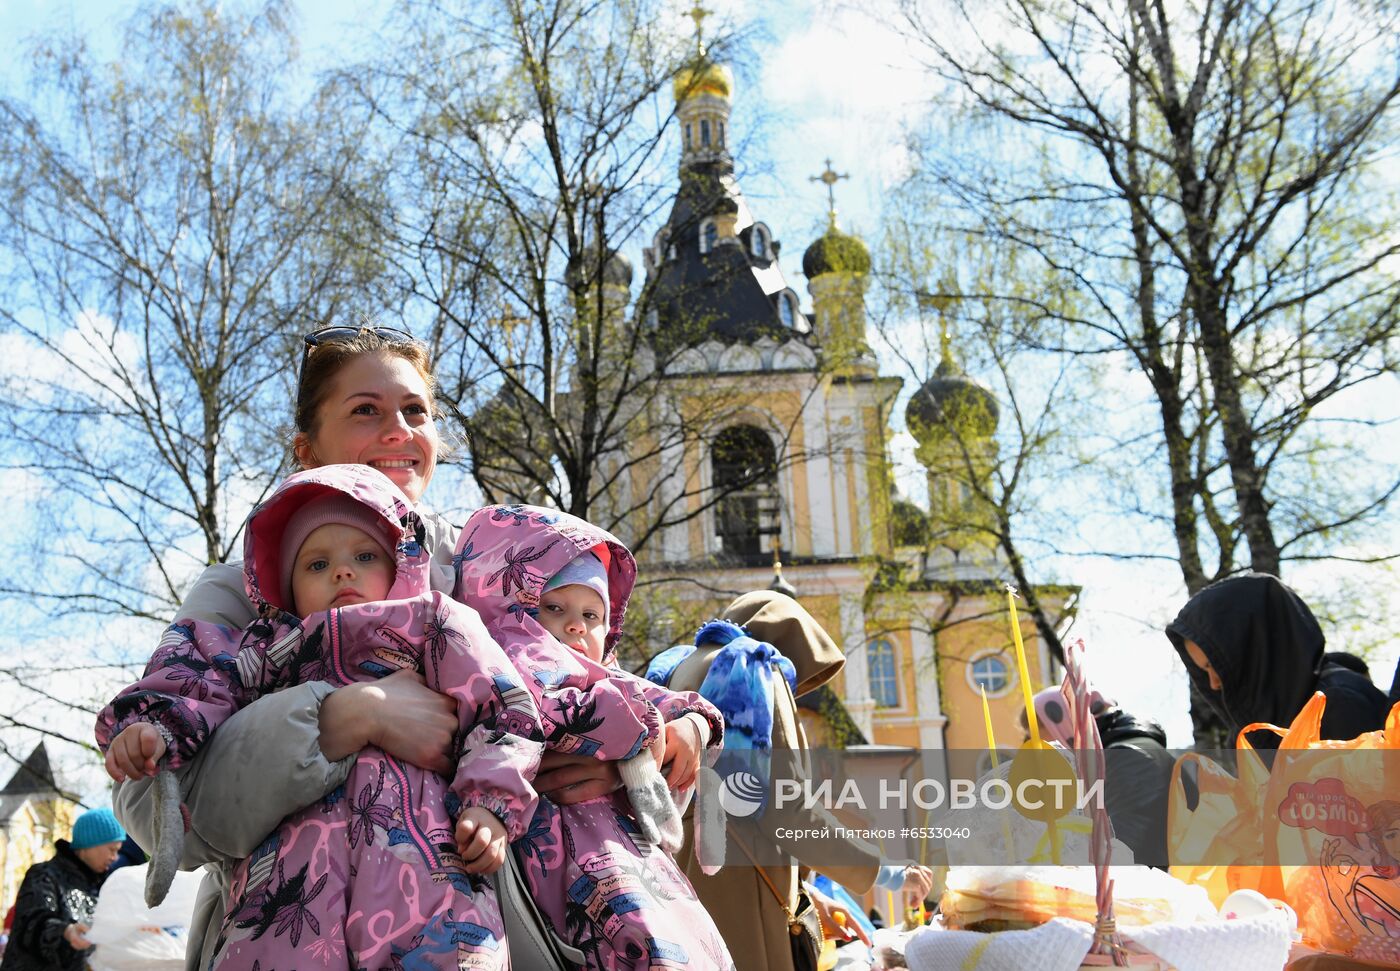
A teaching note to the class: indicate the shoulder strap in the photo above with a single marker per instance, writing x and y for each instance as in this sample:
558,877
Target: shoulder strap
782,901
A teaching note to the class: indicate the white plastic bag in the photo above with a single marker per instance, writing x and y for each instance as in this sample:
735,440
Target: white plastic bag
129,935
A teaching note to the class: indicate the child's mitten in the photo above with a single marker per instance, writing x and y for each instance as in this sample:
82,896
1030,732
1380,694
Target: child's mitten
651,801
170,824
710,821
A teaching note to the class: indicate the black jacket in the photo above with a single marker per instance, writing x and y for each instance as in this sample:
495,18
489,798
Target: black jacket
1266,646
1137,777
54,894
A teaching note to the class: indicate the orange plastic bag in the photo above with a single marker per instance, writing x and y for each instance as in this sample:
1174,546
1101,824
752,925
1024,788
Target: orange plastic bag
1324,821
1221,827
1336,810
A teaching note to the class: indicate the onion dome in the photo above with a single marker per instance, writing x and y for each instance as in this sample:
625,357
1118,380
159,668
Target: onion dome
953,401
703,78
836,252
617,271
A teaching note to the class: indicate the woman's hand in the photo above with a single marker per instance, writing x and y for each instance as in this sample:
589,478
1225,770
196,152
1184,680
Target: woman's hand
918,881
74,935
567,779
837,921
481,840
399,714
134,753
683,750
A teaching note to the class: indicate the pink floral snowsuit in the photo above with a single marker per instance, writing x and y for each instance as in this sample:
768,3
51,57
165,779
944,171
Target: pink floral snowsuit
368,877
618,898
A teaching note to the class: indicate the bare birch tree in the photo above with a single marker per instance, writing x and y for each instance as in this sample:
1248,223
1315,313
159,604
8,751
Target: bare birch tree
1211,179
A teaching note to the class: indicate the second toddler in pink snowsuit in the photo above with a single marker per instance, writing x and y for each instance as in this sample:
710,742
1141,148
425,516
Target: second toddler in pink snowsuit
603,886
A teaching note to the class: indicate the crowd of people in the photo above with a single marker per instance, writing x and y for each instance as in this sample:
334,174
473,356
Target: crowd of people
379,722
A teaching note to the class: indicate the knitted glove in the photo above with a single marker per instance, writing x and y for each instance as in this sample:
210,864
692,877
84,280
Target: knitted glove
651,801
170,823
710,822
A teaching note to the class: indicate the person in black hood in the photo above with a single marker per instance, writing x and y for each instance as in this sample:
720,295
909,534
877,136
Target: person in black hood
1256,652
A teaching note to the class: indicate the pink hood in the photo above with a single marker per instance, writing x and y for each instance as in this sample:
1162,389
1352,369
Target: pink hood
508,553
402,529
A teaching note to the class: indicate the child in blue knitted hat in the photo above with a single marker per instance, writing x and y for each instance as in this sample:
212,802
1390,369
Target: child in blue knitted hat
57,898
95,827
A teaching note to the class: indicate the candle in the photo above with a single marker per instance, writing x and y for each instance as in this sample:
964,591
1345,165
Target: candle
987,718
1031,721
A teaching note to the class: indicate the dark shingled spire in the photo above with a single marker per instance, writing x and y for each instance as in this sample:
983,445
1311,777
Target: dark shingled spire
34,775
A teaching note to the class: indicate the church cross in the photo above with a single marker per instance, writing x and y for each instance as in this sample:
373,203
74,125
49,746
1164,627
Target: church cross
698,14
829,177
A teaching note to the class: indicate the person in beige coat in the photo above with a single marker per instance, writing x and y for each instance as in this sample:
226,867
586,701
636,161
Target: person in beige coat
745,910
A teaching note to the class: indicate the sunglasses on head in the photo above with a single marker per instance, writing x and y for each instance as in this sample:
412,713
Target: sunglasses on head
340,334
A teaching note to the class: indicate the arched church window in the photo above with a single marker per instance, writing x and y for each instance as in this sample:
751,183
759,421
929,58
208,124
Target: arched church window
721,134
709,235
884,683
687,135
758,241
787,310
989,672
704,133
744,466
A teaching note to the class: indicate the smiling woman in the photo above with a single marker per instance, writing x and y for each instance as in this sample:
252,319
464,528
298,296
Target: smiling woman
366,396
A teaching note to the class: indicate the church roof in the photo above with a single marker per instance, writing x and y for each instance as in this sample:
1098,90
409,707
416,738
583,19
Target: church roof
34,775
728,293
951,398
33,781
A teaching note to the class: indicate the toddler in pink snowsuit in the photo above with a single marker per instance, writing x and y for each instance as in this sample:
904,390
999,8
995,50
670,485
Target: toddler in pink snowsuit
388,871
552,590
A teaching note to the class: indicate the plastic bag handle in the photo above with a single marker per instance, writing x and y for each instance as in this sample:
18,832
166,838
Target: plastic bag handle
1302,733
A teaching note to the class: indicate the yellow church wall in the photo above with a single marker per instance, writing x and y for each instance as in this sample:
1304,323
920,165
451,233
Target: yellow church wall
27,838
886,734
785,407
958,647
692,478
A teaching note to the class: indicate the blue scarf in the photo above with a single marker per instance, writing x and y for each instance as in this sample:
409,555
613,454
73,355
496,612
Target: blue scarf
740,684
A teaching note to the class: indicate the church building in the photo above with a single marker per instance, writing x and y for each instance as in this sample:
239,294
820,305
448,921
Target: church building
798,455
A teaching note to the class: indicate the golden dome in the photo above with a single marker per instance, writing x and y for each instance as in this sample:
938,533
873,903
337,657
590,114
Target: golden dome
706,78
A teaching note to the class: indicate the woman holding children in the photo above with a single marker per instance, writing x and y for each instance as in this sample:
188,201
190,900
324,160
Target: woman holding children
365,397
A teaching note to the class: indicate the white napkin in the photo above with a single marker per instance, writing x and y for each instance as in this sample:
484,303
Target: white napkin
1250,944
1059,945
